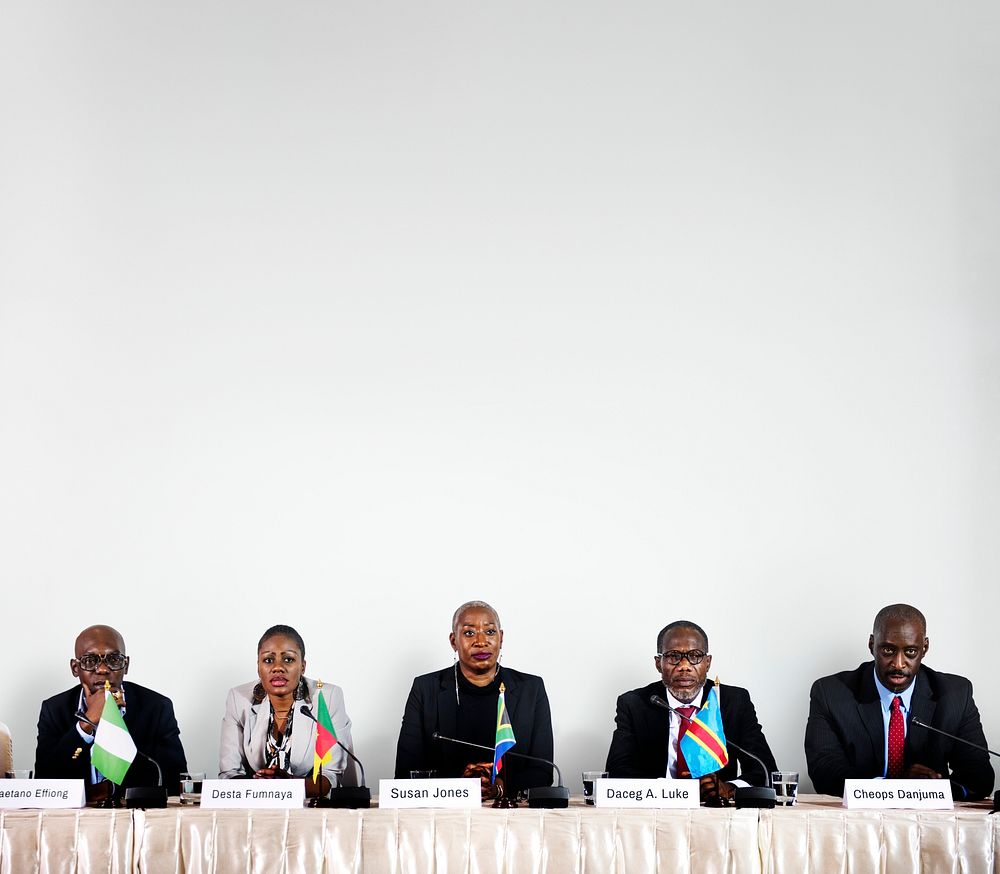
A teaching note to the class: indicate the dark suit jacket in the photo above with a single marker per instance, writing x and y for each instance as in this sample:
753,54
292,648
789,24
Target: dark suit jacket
639,744
62,753
431,707
845,734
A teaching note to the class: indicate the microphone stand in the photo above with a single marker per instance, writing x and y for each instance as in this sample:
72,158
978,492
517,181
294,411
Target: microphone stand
746,796
549,797
962,740
343,797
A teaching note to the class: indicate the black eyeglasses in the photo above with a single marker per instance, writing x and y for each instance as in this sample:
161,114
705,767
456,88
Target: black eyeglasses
114,660
694,656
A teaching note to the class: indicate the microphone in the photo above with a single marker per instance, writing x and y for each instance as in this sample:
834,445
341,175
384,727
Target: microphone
746,796
962,740
351,797
138,796
539,796
147,796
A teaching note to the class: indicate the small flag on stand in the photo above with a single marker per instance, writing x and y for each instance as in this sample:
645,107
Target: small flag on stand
505,735
114,750
704,744
326,737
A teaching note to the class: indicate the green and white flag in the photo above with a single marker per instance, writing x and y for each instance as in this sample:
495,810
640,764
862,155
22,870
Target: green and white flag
114,749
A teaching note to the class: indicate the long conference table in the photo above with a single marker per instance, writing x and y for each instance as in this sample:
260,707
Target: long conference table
817,835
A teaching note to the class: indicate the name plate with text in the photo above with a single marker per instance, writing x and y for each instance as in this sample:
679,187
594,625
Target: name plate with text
41,793
659,793
897,794
280,794
458,792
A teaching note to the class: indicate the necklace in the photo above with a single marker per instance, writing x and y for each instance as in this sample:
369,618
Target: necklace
278,747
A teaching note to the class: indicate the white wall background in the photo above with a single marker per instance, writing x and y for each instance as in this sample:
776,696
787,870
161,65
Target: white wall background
342,313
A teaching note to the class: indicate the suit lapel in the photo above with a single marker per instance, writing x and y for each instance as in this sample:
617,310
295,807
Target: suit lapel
657,729
303,728
447,707
511,695
870,713
256,734
922,707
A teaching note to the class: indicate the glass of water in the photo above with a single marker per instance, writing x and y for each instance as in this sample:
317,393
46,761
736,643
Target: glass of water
786,787
191,787
588,784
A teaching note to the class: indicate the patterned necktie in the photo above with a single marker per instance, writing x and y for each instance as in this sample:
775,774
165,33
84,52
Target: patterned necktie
682,767
897,739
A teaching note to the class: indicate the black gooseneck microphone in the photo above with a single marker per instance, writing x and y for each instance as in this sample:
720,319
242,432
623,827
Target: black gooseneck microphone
746,796
350,797
962,740
539,796
139,796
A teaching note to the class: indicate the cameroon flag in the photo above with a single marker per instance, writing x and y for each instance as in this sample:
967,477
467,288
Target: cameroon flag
326,737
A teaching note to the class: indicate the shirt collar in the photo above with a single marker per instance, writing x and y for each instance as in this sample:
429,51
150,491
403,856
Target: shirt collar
885,695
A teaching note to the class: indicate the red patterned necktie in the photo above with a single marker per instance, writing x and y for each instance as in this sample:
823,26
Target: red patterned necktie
897,739
682,767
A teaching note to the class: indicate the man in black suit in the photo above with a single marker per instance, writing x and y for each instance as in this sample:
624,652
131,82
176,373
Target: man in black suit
67,722
850,734
645,742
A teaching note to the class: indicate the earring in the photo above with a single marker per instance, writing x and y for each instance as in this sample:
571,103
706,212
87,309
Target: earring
457,702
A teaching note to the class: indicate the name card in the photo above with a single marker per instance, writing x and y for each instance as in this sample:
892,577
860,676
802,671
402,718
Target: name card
281,794
41,793
898,794
458,792
659,793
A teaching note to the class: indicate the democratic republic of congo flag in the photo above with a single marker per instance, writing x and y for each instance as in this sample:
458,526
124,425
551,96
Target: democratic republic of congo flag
704,744
505,735
114,750
326,737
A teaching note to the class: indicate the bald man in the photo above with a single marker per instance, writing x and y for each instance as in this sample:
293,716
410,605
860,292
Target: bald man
850,732
67,722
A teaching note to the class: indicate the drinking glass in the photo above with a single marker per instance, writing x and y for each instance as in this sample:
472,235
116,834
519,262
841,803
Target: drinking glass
588,784
786,787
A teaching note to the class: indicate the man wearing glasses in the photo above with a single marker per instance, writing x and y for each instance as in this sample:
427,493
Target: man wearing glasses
67,721
646,738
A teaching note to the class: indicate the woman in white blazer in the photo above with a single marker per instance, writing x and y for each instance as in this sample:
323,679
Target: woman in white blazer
267,732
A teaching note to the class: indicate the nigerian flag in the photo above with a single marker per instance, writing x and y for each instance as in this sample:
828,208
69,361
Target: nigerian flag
114,749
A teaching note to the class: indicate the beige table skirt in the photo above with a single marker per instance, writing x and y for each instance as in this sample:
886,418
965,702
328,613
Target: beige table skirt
816,836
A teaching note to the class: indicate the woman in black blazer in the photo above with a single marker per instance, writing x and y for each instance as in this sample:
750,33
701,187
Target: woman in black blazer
461,702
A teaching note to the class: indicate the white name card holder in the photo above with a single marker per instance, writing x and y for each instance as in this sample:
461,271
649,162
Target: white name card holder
255,794
897,795
656,793
22,794
453,792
